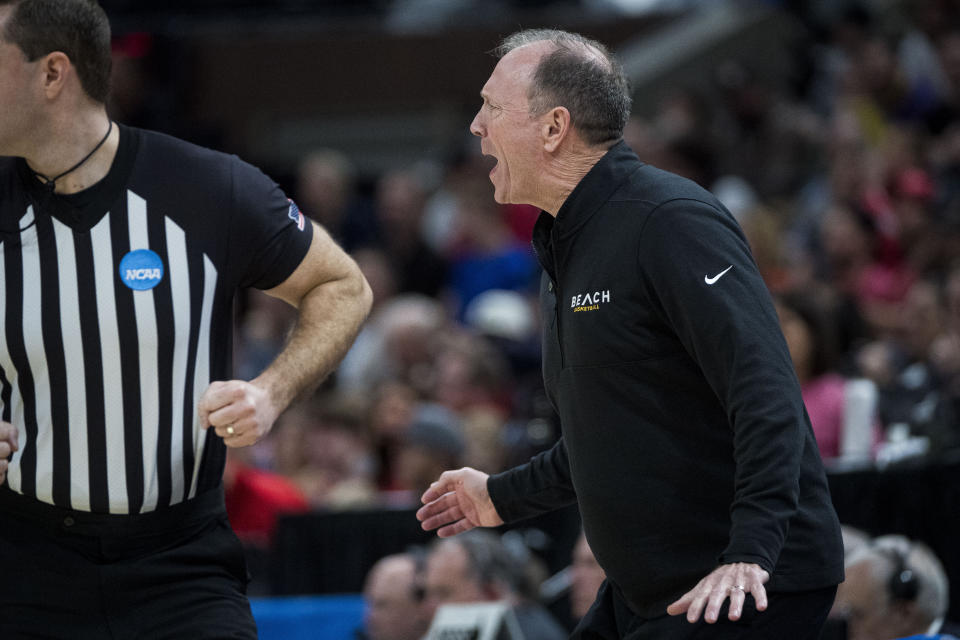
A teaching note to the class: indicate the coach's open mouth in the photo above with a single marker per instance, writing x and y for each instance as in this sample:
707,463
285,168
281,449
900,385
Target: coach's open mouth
491,161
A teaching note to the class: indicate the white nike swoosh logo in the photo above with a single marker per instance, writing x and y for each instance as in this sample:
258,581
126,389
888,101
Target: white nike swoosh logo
709,280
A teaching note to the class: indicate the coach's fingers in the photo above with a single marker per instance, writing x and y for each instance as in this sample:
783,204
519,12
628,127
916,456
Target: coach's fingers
440,512
711,592
714,601
681,605
446,483
751,578
436,506
759,593
457,527
737,598
700,601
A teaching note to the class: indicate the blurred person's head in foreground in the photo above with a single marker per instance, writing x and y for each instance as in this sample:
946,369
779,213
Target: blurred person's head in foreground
472,567
894,588
585,579
394,600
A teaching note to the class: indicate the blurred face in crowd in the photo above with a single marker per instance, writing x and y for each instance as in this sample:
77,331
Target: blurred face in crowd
871,615
417,467
952,290
400,200
323,187
393,611
922,318
449,578
379,273
949,51
799,340
586,578
507,130
846,244
857,600
392,410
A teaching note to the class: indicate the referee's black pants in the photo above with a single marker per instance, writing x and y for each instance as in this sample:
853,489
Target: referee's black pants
176,573
789,616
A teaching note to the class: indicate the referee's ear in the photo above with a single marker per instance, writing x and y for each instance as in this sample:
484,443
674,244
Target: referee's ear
56,72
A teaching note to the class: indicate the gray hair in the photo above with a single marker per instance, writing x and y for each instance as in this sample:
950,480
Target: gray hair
581,75
932,597
489,560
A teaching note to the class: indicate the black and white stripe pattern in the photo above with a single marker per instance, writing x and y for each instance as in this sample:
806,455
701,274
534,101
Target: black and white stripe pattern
102,380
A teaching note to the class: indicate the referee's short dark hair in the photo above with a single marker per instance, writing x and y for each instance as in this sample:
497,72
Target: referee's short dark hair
581,75
78,28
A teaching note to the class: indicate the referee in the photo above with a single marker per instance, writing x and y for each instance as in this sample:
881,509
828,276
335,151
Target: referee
120,254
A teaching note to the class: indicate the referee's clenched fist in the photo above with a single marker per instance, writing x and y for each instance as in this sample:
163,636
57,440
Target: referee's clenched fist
8,444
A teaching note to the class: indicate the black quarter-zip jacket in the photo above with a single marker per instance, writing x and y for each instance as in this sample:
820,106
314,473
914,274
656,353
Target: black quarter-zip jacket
685,440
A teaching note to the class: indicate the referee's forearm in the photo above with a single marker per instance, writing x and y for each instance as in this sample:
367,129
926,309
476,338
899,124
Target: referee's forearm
330,317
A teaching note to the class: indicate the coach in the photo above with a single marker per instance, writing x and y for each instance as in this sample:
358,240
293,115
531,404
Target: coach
121,251
685,440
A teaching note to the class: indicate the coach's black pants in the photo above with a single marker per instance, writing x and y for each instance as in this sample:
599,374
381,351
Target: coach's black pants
175,573
789,616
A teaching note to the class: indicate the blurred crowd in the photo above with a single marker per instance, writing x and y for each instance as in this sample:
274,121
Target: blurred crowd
896,588
845,178
404,591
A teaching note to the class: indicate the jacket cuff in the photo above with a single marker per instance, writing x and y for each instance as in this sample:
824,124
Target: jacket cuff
499,489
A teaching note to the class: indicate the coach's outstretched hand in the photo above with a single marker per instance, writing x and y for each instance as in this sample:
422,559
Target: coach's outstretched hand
8,444
458,501
733,581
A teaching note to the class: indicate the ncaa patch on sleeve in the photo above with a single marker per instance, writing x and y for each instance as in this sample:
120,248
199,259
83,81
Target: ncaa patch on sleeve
294,214
141,269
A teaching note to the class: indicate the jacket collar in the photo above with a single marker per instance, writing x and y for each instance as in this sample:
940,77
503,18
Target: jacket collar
596,187
591,193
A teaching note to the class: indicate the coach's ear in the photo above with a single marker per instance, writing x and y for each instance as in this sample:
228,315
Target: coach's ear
555,126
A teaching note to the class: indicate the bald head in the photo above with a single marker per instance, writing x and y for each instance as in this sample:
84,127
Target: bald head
874,597
391,571
394,612
553,39
571,71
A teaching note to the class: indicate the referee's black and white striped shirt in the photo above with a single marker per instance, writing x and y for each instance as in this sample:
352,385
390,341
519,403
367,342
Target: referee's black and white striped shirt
115,316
